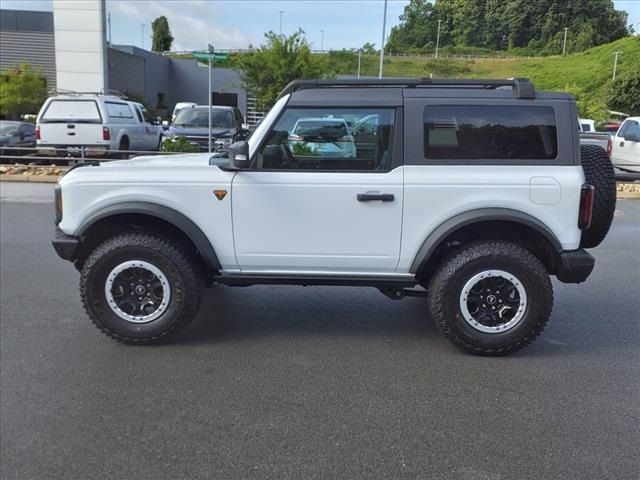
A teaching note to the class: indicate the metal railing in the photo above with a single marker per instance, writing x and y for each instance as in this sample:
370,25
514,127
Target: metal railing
41,156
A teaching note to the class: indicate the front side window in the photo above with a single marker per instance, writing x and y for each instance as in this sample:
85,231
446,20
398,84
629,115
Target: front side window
485,132
329,139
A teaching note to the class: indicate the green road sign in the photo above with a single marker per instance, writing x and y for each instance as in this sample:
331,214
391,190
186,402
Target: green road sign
206,56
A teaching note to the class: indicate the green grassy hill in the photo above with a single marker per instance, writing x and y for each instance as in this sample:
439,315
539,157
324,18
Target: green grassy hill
589,71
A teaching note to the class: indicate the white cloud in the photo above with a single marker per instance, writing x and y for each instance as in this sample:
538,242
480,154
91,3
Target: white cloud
193,23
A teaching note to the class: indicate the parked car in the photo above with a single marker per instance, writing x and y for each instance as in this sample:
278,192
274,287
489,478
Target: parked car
476,191
625,149
16,138
587,125
610,127
179,106
227,126
96,123
322,137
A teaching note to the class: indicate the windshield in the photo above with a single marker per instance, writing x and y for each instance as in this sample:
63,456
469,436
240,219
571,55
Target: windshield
7,129
197,117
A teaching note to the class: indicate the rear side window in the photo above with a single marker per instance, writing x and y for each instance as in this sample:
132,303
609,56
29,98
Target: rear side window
485,132
72,111
118,110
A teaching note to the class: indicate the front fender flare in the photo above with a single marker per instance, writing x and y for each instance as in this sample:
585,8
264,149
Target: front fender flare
177,219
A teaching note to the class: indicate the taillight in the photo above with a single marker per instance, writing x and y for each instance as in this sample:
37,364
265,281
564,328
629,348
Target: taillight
106,134
38,132
609,146
587,195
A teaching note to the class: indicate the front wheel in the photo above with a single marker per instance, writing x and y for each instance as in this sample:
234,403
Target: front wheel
140,288
490,298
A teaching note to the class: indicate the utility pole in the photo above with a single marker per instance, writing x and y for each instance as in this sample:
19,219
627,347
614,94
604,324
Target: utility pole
615,64
359,60
142,35
564,44
322,41
438,38
384,27
281,12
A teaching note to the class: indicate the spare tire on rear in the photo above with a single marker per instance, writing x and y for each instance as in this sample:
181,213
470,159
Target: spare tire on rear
598,171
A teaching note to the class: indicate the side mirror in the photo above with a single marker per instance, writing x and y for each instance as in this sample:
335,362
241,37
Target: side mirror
165,124
239,155
245,126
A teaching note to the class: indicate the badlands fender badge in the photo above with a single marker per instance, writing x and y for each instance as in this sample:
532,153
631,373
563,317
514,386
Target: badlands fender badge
220,194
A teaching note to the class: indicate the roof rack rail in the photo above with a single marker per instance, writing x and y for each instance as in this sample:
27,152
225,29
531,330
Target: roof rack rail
522,87
108,92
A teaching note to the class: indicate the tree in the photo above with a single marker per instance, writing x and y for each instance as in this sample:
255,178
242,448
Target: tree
500,24
369,48
587,106
282,59
22,90
624,95
162,38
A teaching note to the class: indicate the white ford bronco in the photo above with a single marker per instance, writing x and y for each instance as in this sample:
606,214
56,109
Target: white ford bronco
471,193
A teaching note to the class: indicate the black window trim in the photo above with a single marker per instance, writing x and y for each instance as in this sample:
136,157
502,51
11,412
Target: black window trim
568,135
497,161
395,146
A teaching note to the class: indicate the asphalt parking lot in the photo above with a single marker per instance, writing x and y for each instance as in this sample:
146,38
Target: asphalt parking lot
320,382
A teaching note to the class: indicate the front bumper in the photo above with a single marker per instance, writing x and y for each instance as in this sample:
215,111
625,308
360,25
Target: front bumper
66,246
575,266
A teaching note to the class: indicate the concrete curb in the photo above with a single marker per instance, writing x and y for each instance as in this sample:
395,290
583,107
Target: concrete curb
21,177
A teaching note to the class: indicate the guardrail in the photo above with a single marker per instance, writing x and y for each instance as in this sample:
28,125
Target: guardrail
41,156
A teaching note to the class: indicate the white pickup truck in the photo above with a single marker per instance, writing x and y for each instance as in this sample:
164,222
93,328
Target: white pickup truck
625,146
99,124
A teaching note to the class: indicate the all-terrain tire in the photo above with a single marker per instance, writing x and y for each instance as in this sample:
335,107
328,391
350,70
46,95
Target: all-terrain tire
598,171
172,260
445,291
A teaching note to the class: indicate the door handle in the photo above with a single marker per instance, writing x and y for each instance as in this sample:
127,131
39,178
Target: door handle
372,197
622,144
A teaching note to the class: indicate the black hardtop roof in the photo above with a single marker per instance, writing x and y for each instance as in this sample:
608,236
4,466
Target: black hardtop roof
521,87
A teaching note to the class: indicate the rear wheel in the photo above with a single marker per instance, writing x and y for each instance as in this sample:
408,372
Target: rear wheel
490,298
140,288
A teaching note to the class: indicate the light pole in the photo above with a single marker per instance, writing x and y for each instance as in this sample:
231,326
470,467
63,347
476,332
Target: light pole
438,38
384,27
142,35
322,41
281,12
359,60
615,64
564,44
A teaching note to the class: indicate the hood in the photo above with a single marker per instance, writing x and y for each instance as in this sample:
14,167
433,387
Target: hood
169,161
201,132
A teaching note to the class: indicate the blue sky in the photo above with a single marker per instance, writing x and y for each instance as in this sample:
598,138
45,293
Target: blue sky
238,23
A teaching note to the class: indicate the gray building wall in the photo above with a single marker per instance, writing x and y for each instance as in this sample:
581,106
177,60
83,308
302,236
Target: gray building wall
27,37
125,72
155,75
189,83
